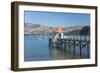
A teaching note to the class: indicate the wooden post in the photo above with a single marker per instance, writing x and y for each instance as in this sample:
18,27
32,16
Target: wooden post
65,41
61,44
88,50
69,47
49,42
80,49
74,48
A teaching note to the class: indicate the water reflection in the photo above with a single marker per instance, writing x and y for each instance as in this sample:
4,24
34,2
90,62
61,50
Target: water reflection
68,53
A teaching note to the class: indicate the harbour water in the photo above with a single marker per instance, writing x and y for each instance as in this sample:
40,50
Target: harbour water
36,48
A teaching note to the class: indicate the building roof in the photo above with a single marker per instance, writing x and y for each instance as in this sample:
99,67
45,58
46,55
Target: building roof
58,29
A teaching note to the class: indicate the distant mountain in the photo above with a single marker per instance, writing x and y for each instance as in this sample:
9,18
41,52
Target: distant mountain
84,31
39,29
72,28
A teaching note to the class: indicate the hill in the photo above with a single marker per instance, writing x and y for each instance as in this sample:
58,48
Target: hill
40,29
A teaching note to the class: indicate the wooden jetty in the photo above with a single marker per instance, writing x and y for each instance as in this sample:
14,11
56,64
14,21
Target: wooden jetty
71,42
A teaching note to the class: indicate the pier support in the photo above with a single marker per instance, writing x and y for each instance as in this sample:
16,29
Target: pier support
70,45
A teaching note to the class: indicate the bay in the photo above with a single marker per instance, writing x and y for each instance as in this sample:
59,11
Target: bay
36,48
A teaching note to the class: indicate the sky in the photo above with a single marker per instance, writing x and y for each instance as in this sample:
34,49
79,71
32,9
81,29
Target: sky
56,18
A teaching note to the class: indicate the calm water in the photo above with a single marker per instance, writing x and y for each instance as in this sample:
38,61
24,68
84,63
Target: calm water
36,49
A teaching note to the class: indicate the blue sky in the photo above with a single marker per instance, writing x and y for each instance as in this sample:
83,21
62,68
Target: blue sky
56,18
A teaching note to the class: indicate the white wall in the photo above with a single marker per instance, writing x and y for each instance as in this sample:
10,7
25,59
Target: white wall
5,40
